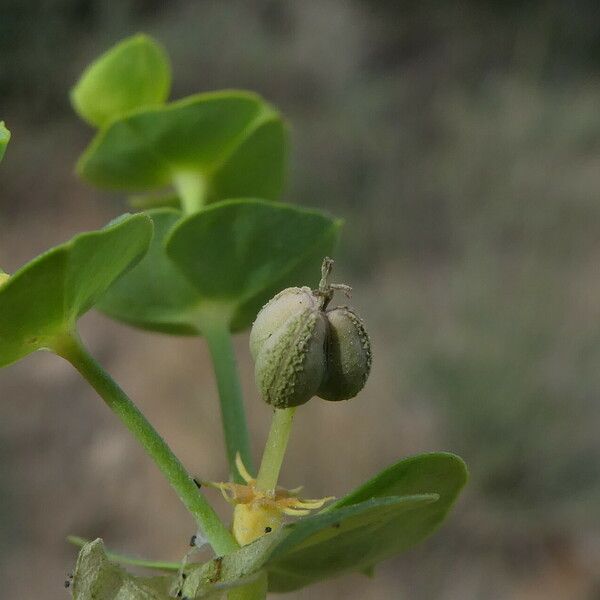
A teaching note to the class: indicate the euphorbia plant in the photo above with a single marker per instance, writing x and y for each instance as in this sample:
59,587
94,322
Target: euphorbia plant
210,247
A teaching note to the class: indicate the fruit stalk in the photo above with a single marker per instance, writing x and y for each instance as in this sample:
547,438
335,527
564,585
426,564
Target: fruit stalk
275,448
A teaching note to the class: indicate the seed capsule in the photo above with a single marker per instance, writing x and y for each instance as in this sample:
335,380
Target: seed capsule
348,356
276,312
290,363
302,350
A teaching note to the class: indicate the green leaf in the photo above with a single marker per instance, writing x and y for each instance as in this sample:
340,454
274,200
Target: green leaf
4,139
43,300
224,262
96,578
154,295
232,140
348,539
354,534
256,167
239,253
317,550
313,548
133,74
442,473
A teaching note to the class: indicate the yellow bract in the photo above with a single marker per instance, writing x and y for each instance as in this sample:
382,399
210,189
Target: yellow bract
258,512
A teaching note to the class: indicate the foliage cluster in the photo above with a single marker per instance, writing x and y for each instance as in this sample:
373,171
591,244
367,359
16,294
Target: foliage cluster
210,245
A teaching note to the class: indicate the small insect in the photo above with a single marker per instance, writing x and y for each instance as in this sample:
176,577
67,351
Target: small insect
198,484
183,576
268,529
218,566
193,540
67,583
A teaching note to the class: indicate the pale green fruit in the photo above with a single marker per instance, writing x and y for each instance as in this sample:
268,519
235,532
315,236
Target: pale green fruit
348,356
276,312
290,363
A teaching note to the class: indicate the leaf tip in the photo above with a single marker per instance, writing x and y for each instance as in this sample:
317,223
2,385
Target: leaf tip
4,138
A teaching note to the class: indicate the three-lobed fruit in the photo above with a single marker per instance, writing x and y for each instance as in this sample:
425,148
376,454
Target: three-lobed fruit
348,356
301,350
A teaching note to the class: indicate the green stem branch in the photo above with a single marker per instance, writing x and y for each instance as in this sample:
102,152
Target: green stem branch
71,349
161,565
233,415
191,188
277,442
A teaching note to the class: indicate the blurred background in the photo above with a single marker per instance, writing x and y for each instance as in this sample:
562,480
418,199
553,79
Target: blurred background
460,141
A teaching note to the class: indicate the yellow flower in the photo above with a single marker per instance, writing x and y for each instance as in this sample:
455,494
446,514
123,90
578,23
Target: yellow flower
258,512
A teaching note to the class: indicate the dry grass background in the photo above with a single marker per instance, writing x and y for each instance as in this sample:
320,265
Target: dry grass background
461,143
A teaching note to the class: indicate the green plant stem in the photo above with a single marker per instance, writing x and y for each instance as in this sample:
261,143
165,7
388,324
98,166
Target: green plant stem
71,349
257,590
123,559
191,189
277,442
233,415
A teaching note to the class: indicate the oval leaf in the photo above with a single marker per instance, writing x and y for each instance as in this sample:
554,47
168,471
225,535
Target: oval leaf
154,295
314,551
206,134
256,167
45,298
133,74
311,549
239,253
349,539
223,263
